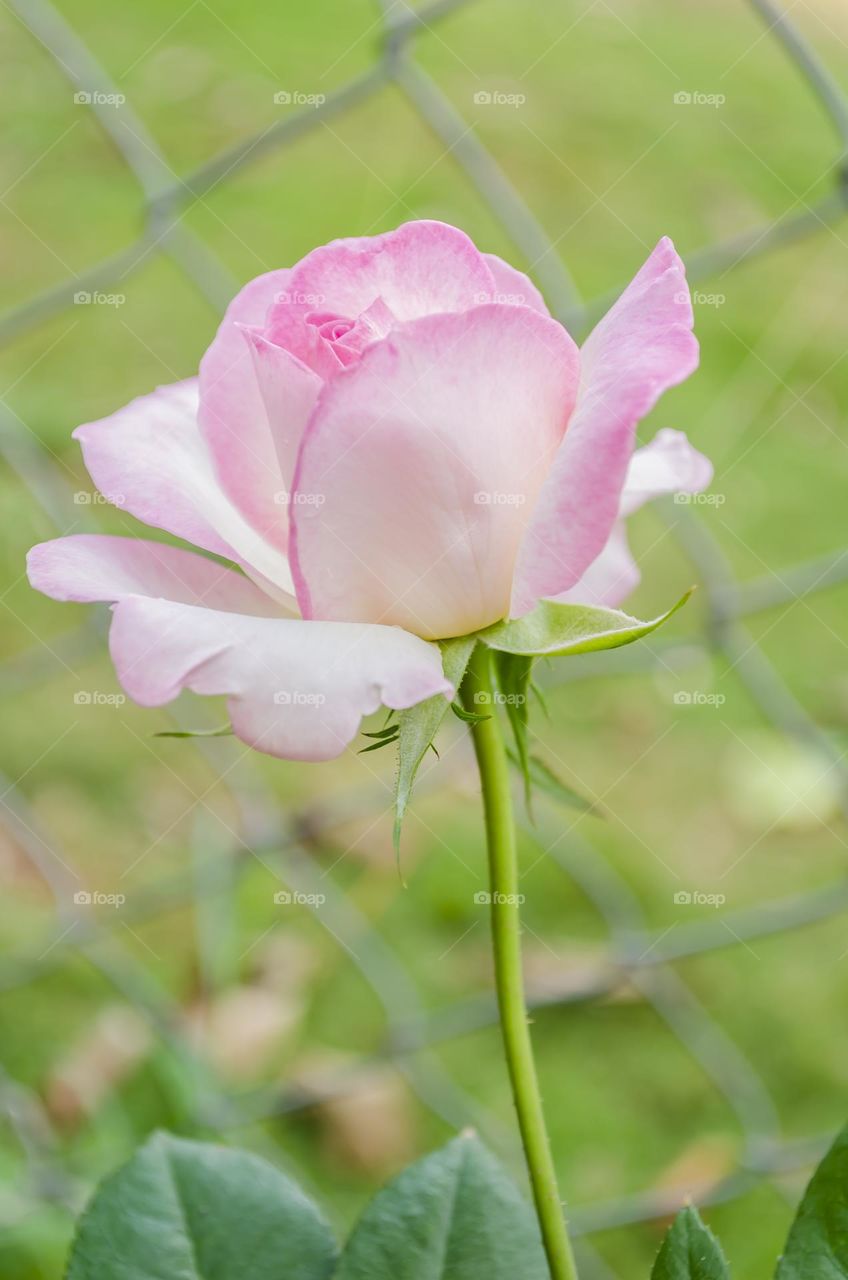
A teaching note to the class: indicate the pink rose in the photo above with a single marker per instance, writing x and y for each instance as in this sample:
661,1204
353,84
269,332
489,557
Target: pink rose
395,443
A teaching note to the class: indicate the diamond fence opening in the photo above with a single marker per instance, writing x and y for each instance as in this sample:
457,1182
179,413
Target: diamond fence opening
637,957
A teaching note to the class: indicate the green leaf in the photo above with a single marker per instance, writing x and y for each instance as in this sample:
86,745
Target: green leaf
539,695
418,726
195,1210
454,1215
817,1248
224,731
690,1251
545,779
556,630
513,674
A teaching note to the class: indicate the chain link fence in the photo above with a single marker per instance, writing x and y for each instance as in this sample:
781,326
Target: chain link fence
413,1035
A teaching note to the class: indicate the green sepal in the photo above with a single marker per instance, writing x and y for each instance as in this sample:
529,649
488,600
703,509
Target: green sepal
543,777
469,717
224,731
513,675
558,630
375,746
417,726
539,694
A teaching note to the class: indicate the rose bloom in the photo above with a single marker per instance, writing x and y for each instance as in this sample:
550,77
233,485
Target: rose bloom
391,443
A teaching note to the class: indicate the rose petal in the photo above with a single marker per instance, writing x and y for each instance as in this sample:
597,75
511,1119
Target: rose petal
669,464
87,567
513,286
420,268
610,578
294,689
288,327
289,391
150,460
232,414
419,465
373,324
642,346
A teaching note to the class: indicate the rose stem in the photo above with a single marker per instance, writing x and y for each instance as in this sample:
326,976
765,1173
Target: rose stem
506,940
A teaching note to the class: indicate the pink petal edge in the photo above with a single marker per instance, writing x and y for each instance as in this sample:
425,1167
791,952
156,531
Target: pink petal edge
641,347
294,689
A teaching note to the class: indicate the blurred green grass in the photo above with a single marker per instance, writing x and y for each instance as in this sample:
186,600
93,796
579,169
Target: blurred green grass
609,163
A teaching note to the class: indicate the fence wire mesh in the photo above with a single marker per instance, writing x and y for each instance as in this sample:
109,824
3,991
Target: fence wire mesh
635,953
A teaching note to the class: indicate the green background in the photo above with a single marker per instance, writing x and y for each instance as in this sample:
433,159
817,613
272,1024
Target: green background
201,1004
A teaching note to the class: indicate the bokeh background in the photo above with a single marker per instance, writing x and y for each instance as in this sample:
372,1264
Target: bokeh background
687,951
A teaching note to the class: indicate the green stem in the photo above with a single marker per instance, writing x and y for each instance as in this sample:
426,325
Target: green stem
492,762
